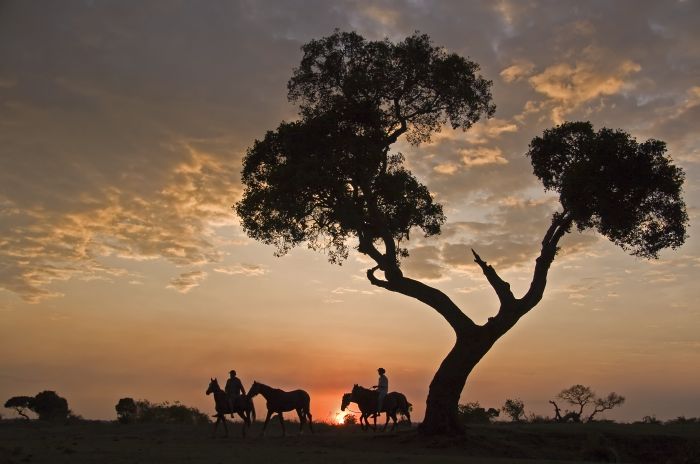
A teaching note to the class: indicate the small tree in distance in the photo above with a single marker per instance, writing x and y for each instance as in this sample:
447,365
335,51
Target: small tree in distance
580,396
126,410
329,180
515,409
19,404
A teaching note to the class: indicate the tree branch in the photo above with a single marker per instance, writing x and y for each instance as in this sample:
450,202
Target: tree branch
501,287
432,297
394,136
561,224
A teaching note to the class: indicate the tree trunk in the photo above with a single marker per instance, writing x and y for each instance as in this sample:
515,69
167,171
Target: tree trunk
443,396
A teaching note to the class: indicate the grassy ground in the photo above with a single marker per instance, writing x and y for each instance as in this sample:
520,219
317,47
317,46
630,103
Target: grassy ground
106,443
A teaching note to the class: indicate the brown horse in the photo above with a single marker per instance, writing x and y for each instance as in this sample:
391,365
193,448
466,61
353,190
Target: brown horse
366,400
245,408
279,401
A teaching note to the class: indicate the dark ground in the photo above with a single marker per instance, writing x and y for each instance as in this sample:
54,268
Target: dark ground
107,442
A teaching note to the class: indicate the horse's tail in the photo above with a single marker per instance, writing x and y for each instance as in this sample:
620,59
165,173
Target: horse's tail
405,406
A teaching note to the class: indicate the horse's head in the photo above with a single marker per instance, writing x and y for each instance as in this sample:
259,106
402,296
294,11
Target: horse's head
347,399
254,389
213,386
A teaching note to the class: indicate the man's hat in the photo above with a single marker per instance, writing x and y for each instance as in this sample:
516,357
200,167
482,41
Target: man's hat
381,370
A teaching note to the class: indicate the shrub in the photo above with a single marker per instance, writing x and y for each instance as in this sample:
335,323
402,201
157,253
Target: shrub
126,410
49,406
473,413
143,411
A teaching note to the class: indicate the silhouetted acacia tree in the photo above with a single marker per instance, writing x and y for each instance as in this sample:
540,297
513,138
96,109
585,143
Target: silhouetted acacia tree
49,406
19,404
328,180
580,396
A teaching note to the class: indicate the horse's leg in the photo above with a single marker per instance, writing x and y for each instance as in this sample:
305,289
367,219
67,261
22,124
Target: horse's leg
302,418
267,419
246,422
374,416
308,415
223,418
216,425
279,415
387,421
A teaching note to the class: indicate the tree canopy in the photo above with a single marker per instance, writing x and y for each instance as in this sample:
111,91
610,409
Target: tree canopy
329,177
629,192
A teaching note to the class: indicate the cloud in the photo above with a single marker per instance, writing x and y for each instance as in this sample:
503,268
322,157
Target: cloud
517,71
481,156
424,263
568,86
187,281
177,223
248,270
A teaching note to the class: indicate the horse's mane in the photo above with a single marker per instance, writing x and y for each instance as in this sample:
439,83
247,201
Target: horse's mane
362,389
269,387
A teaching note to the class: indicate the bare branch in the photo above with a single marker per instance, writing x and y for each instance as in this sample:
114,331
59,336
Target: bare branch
501,287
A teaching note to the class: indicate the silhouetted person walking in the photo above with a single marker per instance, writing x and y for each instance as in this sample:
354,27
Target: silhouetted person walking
233,390
382,388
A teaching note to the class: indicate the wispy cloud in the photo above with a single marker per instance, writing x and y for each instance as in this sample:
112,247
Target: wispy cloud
187,281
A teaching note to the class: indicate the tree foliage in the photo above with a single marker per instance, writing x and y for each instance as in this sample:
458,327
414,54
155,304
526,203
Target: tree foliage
515,409
126,410
629,192
329,177
19,404
49,406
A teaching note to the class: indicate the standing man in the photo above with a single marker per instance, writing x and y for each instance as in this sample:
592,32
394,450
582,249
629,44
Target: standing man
233,390
382,389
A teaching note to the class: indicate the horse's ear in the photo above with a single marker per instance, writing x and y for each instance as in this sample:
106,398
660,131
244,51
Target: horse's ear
211,379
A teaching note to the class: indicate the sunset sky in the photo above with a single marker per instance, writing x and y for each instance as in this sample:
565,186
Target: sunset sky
124,271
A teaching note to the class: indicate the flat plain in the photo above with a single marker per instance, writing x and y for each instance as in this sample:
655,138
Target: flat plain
110,442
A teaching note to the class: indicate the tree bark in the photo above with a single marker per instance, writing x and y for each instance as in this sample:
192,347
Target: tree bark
441,416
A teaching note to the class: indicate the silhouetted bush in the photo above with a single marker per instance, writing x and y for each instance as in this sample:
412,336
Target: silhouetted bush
473,413
143,411
49,406
538,419
683,420
650,420
126,410
349,419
